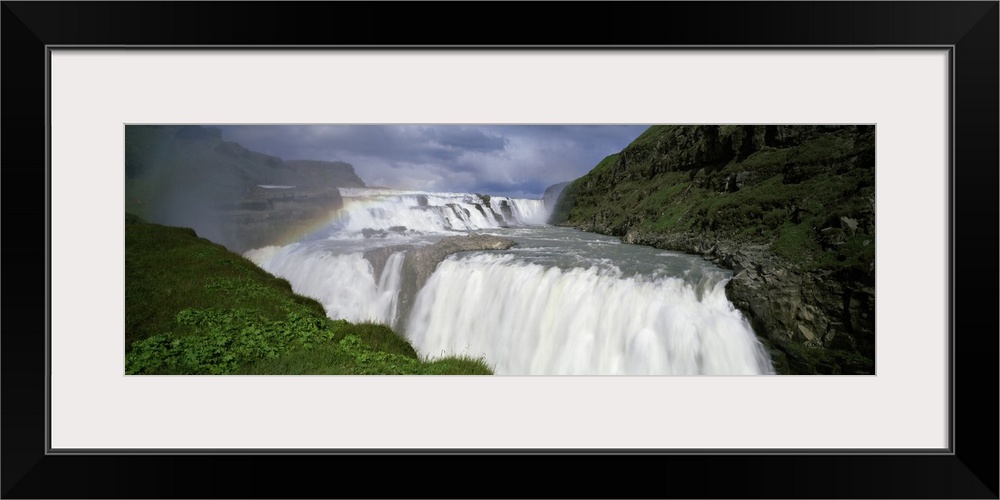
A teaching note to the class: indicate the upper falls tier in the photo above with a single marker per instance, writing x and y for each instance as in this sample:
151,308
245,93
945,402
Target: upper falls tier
381,213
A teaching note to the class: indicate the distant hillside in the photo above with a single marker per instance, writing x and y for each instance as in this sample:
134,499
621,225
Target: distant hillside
325,173
790,208
192,152
188,176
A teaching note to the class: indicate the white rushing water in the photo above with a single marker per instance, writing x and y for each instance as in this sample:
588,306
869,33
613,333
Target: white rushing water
404,212
560,302
344,283
526,318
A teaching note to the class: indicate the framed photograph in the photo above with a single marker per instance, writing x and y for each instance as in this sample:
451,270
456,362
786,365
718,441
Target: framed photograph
904,91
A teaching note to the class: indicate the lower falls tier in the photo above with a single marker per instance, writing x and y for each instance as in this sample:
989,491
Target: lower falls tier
528,315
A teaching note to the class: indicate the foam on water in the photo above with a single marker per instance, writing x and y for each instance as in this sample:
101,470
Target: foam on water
344,283
558,303
400,212
529,319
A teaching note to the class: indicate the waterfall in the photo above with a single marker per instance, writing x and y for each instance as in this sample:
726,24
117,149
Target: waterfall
528,319
557,303
389,213
389,287
344,283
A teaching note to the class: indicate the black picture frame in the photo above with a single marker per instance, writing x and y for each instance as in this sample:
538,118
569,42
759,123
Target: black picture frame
968,470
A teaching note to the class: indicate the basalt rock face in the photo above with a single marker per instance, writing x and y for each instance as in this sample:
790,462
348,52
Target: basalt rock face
420,262
811,320
189,176
790,209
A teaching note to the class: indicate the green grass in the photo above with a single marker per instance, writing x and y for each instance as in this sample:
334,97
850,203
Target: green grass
193,307
604,167
829,176
808,195
793,239
651,134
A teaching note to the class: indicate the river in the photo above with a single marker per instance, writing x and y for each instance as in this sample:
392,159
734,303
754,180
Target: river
559,302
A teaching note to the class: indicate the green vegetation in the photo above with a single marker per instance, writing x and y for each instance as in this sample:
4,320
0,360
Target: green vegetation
803,360
811,200
193,307
795,205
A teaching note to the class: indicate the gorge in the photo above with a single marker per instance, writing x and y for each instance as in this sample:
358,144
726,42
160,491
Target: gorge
791,209
725,250
531,299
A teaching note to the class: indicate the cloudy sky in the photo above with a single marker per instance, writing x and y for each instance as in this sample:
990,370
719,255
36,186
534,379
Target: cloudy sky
505,160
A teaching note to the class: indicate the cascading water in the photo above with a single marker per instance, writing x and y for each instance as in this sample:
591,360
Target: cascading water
560,302
384,212
531,319
344,283
389,285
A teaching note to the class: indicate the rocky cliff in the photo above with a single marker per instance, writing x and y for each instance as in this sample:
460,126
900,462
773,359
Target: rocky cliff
189,176
421,261
791,209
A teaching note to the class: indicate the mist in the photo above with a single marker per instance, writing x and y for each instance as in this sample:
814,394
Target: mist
505,160
214,178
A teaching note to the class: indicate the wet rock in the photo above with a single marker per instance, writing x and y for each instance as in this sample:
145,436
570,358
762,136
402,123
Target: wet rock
378,257
382,233
505,209
498,218
782,296
425,259
420,263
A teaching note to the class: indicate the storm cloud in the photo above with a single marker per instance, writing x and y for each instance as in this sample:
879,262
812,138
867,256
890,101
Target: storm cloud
508,160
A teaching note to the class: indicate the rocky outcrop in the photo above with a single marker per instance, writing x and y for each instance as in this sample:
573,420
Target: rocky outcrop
378,257
420,263
382,233
810,321
791,209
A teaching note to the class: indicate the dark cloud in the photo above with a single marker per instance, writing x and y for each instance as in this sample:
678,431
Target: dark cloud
515,160
464,139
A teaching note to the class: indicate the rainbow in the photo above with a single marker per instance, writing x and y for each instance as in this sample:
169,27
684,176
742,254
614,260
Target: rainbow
380,208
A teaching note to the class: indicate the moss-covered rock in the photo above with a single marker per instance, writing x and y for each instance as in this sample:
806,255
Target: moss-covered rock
790,208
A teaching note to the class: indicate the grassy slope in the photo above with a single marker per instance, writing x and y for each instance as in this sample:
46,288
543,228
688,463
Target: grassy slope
793,199
193,307
834,179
